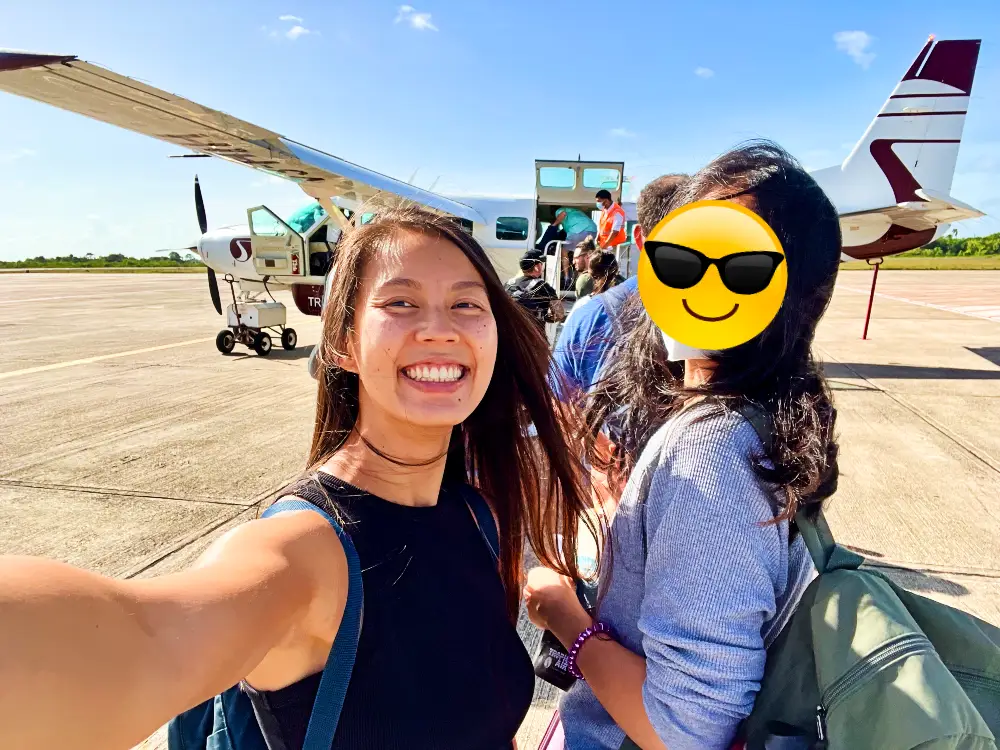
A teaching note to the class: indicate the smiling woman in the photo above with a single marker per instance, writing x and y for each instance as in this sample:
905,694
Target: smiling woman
429,376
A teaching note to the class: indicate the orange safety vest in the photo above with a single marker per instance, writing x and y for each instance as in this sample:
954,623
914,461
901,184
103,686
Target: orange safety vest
604,234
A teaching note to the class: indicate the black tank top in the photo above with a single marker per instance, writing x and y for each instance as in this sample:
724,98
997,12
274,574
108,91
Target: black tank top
439,664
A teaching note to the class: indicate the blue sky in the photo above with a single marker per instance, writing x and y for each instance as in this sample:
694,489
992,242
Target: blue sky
468,93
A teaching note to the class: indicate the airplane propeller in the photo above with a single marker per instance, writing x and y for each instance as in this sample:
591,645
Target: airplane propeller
199,207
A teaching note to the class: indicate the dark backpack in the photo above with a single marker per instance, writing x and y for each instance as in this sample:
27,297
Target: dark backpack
228,721
525,291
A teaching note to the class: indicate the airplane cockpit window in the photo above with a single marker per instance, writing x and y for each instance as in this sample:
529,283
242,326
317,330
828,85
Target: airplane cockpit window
305,218
512,228
366,218
557,177
601,178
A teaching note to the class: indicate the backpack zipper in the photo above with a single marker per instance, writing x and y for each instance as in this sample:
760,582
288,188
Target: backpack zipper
861,673
974,678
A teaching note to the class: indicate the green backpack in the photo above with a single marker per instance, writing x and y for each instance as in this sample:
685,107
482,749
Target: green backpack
864,664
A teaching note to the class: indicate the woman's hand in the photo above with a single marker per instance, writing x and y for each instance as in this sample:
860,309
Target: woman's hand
552,605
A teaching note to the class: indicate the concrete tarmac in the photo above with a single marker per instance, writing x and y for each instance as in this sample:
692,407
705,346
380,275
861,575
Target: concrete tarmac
128,443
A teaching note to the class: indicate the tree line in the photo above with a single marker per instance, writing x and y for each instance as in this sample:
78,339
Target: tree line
951,246
948,246
112,260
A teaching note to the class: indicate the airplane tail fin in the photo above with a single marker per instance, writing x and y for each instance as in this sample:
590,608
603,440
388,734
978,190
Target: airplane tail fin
913,141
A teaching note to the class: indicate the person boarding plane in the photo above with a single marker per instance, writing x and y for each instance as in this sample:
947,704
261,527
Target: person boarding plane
893,191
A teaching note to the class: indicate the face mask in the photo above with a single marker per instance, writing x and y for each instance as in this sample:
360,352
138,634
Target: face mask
676,351
600,205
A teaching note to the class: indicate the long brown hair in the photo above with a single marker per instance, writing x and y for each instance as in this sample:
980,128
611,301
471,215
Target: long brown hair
603,269
775,371
535,490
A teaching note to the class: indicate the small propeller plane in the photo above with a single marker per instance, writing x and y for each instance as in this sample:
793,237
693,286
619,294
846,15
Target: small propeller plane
892,191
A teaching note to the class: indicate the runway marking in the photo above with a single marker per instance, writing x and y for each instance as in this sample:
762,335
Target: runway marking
984,312
74,296
46,299
100,358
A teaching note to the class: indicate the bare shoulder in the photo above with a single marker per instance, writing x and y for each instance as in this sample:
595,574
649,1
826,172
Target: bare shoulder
305,537
305,543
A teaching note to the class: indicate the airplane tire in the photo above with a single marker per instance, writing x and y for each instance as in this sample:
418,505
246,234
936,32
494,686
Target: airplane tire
262,344
289,339
225,342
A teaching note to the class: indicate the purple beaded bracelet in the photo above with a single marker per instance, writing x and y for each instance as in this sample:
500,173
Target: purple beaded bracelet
574,651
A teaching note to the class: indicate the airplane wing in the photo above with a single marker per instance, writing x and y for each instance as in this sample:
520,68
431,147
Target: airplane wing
87,89
935,209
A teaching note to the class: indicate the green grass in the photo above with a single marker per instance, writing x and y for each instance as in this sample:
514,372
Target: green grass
943,263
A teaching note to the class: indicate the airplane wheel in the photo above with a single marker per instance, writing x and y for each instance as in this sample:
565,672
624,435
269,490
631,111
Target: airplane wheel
225,341
262,344
289,339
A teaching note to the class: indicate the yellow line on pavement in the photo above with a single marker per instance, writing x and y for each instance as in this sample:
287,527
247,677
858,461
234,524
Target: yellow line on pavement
89,360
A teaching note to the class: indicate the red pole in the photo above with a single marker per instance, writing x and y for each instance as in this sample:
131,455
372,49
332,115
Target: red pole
871,298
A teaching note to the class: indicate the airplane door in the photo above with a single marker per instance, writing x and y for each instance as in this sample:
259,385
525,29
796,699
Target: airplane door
575,183
278,250
572,184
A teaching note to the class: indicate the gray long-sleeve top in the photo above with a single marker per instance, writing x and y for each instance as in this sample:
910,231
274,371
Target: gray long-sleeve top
712,591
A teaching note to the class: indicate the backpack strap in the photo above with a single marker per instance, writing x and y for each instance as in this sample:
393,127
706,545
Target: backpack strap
826,554
337,672
484,520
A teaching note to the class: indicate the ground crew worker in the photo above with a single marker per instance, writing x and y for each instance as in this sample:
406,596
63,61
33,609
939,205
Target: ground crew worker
577,224
611,230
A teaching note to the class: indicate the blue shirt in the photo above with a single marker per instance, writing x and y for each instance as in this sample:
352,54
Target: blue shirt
713,590
577,222
586,340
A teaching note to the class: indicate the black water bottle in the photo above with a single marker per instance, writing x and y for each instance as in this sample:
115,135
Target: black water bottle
551,659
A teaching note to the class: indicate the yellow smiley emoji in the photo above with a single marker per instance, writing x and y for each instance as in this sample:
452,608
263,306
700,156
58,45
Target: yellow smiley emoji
712,275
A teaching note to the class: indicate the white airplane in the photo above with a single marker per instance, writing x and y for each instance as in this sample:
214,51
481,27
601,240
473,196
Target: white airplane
892,191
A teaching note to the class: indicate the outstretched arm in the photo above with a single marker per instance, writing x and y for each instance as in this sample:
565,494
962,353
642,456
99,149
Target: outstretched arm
92,662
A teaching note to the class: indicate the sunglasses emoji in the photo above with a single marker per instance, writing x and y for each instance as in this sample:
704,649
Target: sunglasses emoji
712,275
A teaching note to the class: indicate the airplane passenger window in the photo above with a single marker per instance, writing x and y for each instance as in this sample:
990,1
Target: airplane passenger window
512,228
606,179
266,224
557,177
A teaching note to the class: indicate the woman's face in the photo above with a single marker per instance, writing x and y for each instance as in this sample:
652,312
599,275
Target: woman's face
425,340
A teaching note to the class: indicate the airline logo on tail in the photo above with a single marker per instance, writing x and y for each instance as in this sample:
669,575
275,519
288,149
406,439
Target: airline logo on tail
931,100
893,190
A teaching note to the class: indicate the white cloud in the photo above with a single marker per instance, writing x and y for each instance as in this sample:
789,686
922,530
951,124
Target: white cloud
855,44
293,33
704,72
6,157
621,133
419,21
